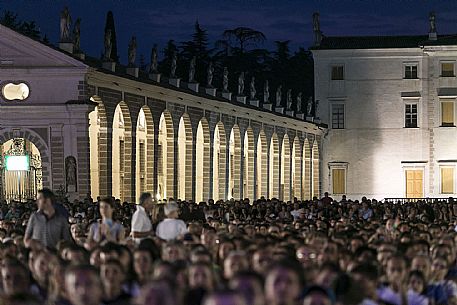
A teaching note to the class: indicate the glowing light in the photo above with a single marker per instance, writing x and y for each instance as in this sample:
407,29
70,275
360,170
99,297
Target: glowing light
17,163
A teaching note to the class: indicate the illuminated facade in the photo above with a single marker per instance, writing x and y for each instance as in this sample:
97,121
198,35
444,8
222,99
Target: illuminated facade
114,133
389,103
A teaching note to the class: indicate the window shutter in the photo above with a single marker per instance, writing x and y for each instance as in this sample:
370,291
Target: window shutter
338,181
447,180
447,113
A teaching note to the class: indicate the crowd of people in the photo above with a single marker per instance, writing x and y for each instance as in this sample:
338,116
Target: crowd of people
317,252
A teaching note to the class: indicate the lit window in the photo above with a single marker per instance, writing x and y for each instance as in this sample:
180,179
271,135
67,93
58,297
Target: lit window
13,92
338,116
447,113
410,71
337,72
411,115
447,69
339,181
447,180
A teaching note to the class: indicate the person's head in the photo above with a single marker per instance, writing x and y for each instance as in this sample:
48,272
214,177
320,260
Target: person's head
173,251
112,274
416,281
284,282
156,293
261,259
142,264
439,268
421,263
41,268
171,210
236,261
316,295
201,276
396,269
250,285
106,208
224,298
146,201
15,277
83,285
45,199
366,276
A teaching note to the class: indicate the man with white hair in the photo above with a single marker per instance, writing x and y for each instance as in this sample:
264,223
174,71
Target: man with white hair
171,227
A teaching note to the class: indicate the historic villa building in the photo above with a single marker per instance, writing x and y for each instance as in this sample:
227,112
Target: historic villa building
90,127
389,103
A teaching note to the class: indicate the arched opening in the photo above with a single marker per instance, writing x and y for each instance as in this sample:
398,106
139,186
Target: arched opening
262,165
98,141
185,158
248,166
122,153
235,163
296,169
306,170
20,170
202,160
144,152
219,162
285,169
165,157
316,186
274,167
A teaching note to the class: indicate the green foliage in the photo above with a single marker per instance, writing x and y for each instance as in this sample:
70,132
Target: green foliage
27,28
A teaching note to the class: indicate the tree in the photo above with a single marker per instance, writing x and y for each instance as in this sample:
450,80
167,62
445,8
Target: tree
243,36
9,19
27,28
110,26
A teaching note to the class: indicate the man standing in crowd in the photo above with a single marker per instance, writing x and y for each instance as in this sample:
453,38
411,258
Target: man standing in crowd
47,225
171,227
141,223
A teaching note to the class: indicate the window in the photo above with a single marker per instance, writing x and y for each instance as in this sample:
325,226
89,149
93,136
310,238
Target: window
447,113
447,69
13,92
337,72
410,71
338,116
411,115
339,181
447,180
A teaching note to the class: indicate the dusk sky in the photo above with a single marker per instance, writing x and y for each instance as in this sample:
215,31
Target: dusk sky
157,21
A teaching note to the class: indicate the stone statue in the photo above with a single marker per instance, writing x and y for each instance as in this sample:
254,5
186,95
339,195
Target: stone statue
289,99
316,109
210,74
299,102
432,22
317,29
70,173
192,70
65,25
132,51
108,45
153,67
252,90
278,96
225,80
241,84
309,106
266,93
174,59
77,36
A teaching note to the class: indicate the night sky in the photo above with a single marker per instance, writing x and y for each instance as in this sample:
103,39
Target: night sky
157,21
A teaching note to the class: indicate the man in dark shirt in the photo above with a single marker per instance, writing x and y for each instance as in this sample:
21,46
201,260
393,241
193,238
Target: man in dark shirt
47,225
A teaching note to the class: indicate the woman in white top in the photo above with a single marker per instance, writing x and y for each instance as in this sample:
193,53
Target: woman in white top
105,229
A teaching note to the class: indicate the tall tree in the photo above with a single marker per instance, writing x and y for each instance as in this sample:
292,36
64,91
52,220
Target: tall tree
110,26
27,28
244,36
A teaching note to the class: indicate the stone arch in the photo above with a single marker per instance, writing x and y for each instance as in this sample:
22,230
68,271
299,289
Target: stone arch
184,158
98,141
165,158
144,152
274,167
7,134
316,172
285,169
122,153
202,161
248,164
219,162
235,163
262,165
296,169
306,170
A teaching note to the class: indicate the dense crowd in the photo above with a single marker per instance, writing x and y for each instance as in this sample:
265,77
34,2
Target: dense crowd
319,252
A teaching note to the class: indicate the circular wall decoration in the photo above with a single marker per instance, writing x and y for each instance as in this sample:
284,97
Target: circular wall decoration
12,92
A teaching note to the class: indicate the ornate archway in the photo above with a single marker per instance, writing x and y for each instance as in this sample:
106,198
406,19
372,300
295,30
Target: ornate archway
315,156
202,162
262,165
248,165
219,162
185,158
285,169
235,163
274,167
296,169
144,151
165,158
306,170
